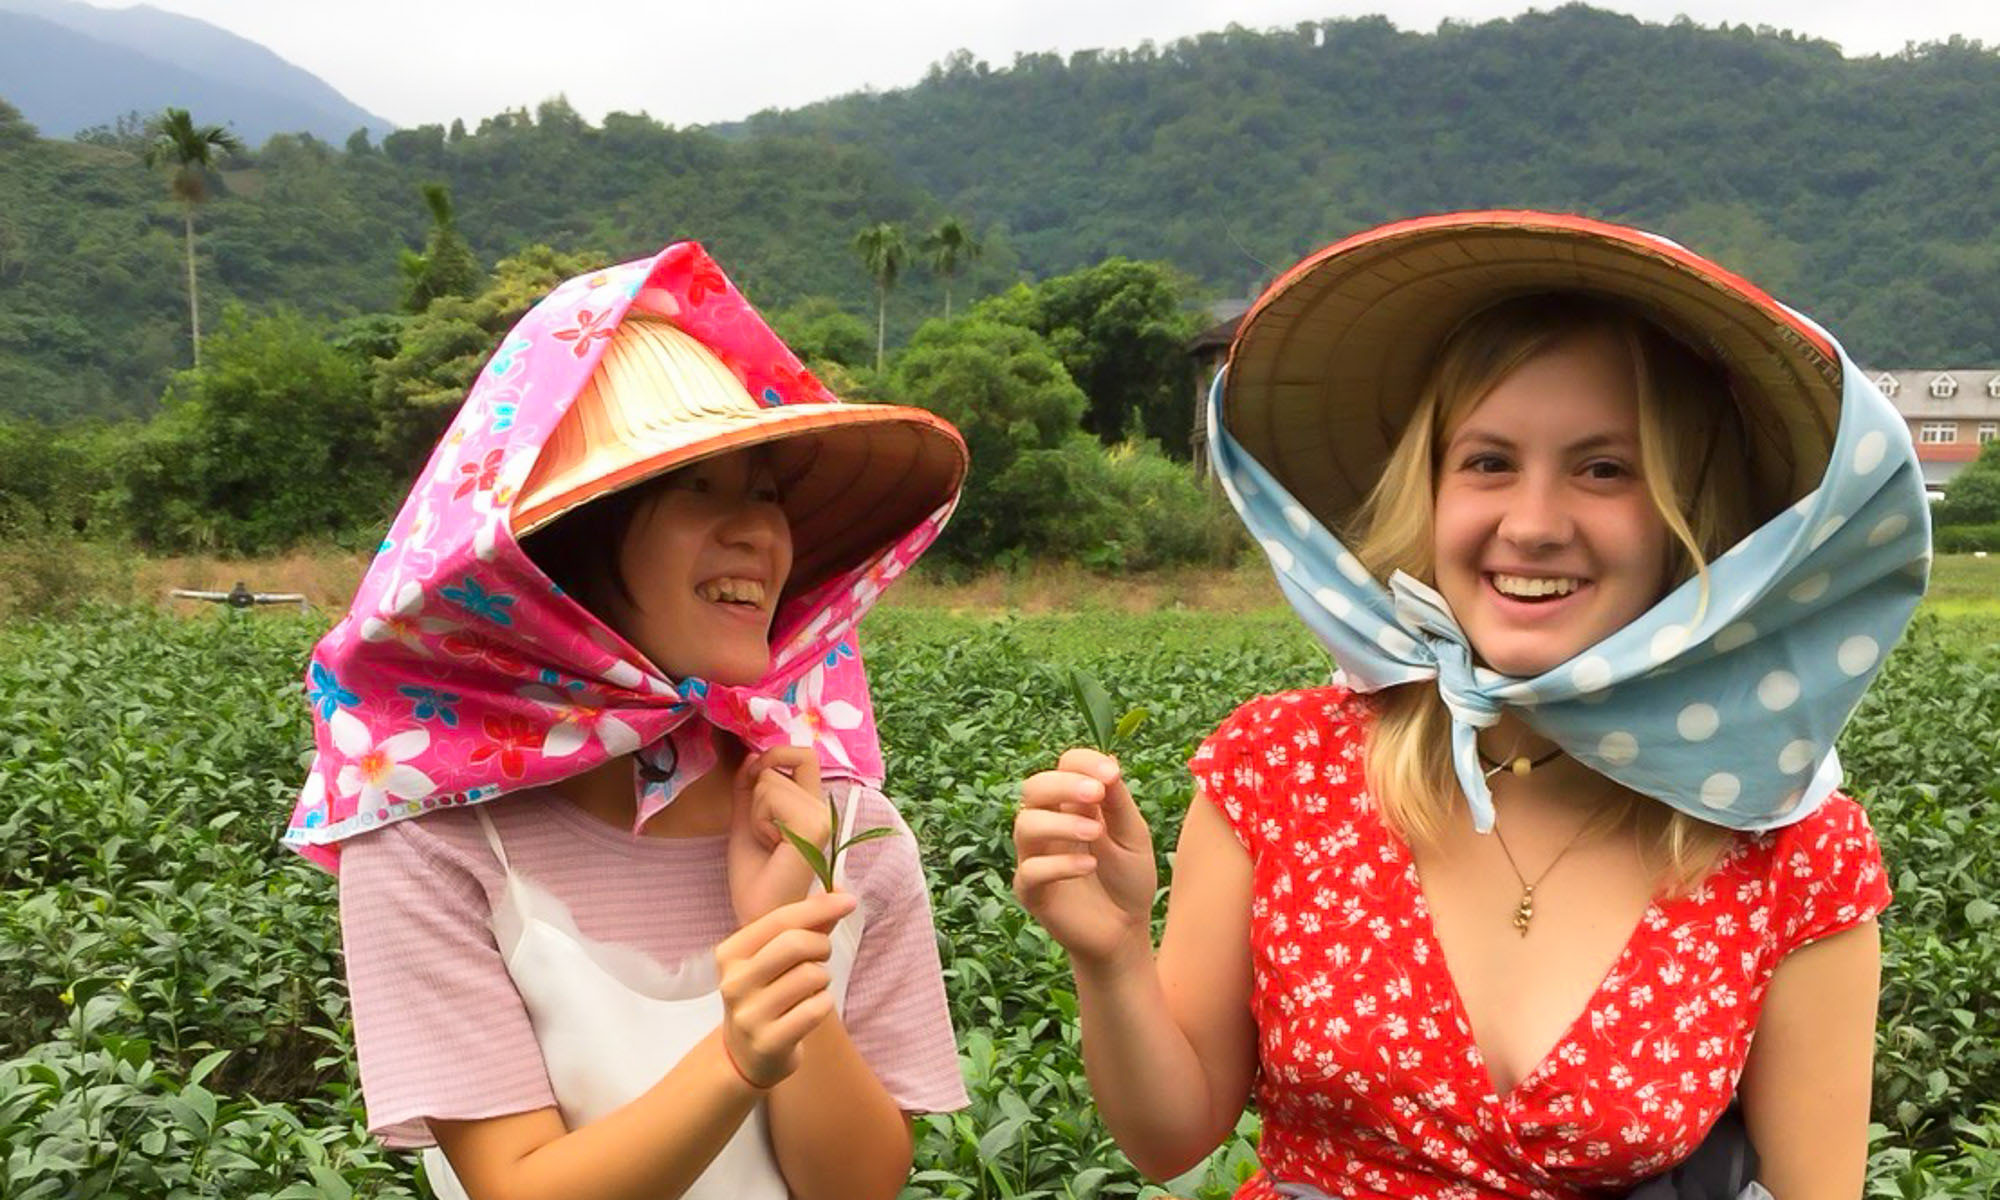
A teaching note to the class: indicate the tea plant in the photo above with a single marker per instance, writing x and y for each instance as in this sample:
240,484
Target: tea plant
175,1017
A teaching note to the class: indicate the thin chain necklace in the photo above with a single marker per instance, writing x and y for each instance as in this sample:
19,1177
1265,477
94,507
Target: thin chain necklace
1524,910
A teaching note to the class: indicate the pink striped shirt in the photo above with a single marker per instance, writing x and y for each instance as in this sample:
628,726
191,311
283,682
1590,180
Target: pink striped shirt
439,1028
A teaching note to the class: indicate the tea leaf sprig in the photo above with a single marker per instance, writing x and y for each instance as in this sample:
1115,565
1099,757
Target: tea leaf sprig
823,863
1095,705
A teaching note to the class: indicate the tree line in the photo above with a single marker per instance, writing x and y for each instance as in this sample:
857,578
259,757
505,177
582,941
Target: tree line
1859,189
1075,394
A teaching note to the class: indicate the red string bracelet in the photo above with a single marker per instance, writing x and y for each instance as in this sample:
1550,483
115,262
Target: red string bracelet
740,1072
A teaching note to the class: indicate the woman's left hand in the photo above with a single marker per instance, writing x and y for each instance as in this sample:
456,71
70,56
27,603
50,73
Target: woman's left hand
765,872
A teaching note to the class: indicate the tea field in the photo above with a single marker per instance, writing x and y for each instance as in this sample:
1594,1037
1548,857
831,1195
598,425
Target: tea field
172,1021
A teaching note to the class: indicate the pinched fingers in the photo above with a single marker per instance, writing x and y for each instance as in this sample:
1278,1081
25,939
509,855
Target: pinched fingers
799,763
775,984
783,785
1035,874
1059,789
1119,812
809,915
1082,760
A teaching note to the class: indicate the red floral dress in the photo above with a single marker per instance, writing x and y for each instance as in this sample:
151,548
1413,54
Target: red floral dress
1369,1082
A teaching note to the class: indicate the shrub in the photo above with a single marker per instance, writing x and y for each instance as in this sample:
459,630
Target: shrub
1964,539
267,444
147,922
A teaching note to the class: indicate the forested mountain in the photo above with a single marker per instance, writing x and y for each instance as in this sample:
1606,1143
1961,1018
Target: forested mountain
1867,191
69,66
92,311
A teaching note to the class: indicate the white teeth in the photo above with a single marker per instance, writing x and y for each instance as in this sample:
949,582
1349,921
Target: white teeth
1524,585
732,591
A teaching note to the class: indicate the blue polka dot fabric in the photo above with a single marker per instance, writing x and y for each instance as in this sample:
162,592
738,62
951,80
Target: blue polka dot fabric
1728,712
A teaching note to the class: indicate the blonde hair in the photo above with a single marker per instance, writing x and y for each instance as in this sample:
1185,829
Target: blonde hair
1691,445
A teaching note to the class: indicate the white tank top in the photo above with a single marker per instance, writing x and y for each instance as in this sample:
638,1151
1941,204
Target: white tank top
612,1021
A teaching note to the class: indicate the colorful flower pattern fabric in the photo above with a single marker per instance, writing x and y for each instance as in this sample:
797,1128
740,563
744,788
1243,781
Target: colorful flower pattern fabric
1369,1081
461,673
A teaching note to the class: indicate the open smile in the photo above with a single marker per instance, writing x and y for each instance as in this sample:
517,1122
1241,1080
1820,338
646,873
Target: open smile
1533,597
738,597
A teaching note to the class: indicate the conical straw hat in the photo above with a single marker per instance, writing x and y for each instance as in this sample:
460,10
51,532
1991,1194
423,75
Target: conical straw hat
1328,366
853,478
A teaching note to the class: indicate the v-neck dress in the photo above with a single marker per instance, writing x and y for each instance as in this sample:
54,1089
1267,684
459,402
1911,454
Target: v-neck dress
1369,1082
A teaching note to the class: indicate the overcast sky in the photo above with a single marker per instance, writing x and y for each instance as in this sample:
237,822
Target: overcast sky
418,61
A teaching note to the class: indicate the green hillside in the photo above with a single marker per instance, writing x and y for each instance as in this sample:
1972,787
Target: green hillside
1867,190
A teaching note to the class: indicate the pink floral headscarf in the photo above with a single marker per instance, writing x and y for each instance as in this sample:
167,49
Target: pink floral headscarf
461,673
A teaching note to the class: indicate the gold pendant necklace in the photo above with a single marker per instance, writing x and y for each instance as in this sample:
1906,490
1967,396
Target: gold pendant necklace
1524,909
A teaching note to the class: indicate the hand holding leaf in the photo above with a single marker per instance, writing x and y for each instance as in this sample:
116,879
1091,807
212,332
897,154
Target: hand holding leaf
784,832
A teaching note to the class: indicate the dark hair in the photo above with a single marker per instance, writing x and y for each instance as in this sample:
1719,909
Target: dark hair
580,551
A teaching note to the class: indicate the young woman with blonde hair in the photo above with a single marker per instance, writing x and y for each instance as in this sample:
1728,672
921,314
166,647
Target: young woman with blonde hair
1607,545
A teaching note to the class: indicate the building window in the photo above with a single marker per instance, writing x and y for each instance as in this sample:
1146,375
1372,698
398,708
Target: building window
1943,387
1936,433
1988,430
1993,387
1890,387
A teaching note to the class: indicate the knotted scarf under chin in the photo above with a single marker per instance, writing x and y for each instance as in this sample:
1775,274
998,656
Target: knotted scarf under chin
1725,704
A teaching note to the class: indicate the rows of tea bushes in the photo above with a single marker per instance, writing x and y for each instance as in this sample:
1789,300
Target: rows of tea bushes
172,1021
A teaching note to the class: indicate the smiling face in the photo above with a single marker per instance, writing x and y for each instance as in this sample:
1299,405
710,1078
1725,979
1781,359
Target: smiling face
1545,537
704,559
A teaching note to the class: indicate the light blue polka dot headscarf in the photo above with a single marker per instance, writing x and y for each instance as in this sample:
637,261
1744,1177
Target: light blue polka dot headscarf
1728,714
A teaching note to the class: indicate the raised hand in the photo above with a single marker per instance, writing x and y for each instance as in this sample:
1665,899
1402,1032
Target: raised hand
1084,859
765,872
774,980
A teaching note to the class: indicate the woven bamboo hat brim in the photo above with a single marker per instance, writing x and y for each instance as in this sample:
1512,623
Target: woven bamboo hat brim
1328,365
853,478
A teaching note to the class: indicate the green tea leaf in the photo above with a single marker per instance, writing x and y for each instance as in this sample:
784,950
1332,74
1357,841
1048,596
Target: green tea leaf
208,1063
867,835
1095,704
811,853
1129,722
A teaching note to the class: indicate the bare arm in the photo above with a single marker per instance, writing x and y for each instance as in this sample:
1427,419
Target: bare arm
1806,1085
1168,1046
837,1132
655,1147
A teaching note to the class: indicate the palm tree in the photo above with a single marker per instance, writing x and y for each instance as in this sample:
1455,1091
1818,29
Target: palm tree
882,251
447,267
950,246
189,152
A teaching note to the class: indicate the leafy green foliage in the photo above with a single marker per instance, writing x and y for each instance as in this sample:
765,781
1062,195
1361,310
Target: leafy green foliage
1853,187
820,331
264,445
55,481
177,1023
1965,539
1840,184
1973,498
1121,329
882,251
93,310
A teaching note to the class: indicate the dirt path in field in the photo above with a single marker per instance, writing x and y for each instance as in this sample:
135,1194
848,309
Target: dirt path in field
328,580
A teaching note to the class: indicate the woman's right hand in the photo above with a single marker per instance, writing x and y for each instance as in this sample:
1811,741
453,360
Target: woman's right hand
1084,863
774,981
